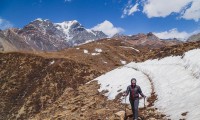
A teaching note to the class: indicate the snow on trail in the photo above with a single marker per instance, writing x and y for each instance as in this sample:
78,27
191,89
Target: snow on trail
116,81
176,80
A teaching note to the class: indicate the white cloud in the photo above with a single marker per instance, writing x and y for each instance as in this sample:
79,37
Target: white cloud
193,12
130,9
186,9
4,24
133,9
108,28
163,8
173,33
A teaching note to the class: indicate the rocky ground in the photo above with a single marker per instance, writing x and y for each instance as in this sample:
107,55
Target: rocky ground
52,85
87,103
31,83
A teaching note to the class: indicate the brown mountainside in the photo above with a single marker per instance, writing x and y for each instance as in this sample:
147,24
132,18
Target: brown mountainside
147,40
51,85
30,83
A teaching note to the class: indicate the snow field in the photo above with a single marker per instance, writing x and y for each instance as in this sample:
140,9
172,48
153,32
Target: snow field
176,80
119,79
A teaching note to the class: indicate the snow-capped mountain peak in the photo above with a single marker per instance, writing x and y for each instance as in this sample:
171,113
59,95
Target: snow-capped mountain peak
91,31
42,34
39,19
66,25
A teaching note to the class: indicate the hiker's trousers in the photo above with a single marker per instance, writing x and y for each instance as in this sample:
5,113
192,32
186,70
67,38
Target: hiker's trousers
134,106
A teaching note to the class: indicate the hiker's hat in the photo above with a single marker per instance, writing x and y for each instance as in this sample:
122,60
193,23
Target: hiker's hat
133,79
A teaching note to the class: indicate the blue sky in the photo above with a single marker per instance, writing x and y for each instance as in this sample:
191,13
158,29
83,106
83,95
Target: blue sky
166,18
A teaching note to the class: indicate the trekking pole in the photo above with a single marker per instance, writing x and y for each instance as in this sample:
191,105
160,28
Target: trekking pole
125,110
144,107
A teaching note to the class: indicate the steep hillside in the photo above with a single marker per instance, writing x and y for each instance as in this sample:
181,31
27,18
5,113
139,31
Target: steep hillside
30,83
171,50
103,108
13,42
51,85
102,55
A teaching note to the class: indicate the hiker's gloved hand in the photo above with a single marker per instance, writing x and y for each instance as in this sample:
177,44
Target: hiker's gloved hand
124,94
144,96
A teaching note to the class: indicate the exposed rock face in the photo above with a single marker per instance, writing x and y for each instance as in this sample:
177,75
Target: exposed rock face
16,40
120,36
1,41
140,36
148,40
47,36
43,35
1,47
194,38
77,34
5,45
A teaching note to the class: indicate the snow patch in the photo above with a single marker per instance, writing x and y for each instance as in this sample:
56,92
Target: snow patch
123,62
175,79
87,41
176,84
91,31
98,50
85,51
191,62
52,62
105,62
65,27
117,80
131,48
95,54
39,19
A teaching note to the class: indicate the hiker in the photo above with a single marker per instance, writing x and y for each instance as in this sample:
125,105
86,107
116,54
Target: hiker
134,91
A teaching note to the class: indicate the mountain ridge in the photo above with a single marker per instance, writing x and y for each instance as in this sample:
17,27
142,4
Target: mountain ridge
65,73
47,36
193,38
147,40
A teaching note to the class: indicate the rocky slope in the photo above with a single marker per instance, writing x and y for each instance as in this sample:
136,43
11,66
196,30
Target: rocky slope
101,108
147,40
47,36
51,85
38,81
102,55
5,45
194,38
30,83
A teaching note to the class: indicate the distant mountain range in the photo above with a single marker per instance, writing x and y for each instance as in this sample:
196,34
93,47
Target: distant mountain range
148,40
44,35
47,36
193,38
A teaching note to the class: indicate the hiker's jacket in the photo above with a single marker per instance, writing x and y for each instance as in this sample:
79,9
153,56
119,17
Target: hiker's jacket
134,92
